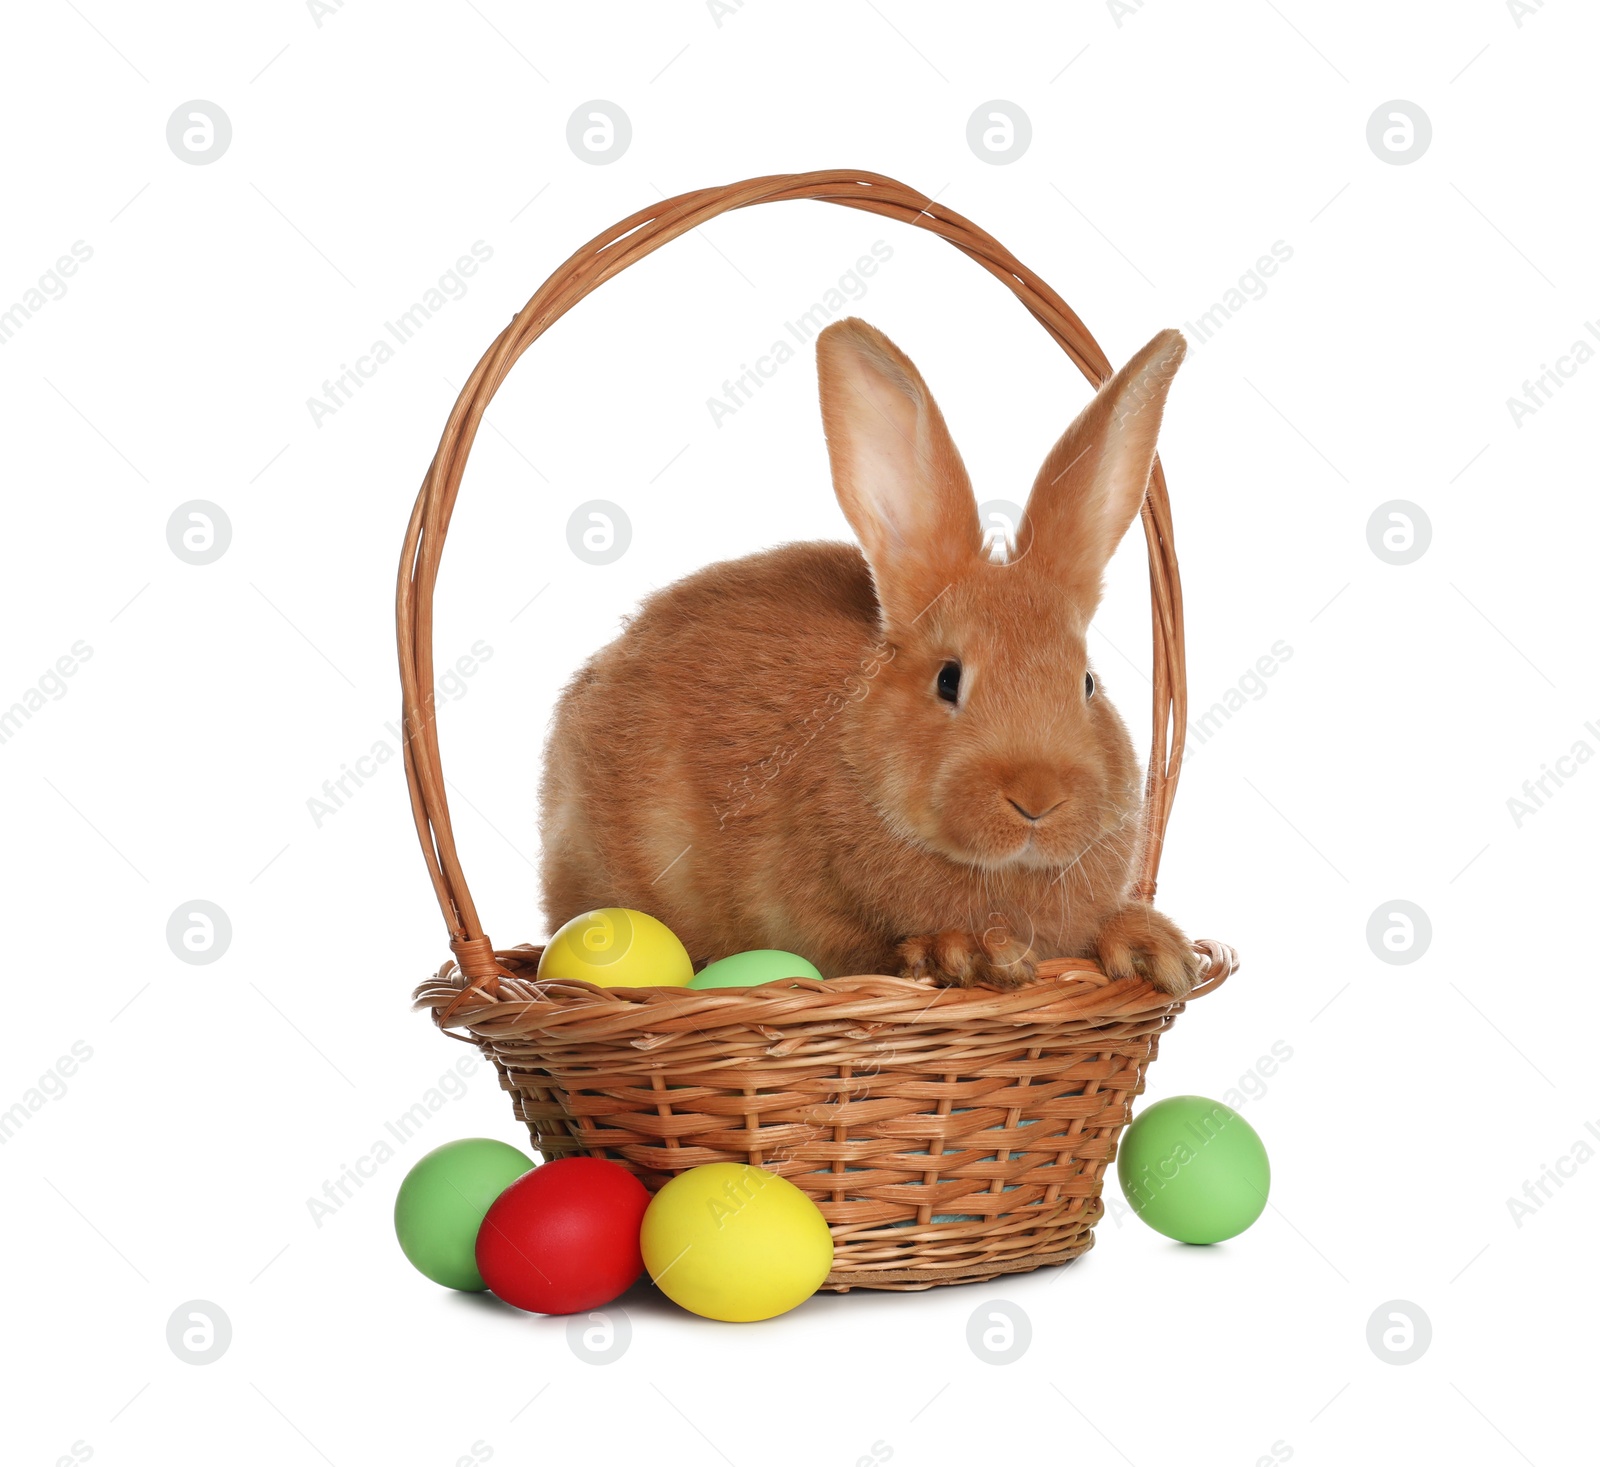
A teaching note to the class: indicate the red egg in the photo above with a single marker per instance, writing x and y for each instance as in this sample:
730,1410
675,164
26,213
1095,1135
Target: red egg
564,1237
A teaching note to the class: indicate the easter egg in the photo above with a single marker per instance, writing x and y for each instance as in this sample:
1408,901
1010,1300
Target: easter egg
564,1237
617,948
735,1242
745,970
1194,1169
442,1202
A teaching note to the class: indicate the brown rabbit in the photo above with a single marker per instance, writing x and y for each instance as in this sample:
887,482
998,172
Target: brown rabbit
896,762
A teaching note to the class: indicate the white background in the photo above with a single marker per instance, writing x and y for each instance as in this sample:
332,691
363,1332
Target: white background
1169,152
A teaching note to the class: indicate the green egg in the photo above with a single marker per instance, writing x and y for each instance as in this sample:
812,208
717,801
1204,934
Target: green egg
441,1204
745,970
1194,1169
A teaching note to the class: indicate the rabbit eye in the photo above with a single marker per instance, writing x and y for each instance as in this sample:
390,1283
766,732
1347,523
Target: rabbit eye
1088,686
949,682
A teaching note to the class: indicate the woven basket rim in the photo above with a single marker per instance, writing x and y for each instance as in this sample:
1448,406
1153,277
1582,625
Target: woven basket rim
1065,989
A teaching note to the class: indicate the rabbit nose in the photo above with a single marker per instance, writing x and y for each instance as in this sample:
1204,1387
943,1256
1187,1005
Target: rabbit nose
1033,788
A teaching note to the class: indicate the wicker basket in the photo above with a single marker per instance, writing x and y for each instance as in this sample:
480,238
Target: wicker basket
948,1135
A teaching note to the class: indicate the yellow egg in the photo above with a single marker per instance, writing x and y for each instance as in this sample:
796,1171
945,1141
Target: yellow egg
735,1242
617,948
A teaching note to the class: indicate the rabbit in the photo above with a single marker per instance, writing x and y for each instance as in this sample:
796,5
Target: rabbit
890,760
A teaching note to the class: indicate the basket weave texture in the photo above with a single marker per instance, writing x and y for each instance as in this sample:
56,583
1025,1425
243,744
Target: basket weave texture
947,1135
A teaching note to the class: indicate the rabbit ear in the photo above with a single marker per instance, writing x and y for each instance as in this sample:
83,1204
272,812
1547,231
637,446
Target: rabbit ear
1093,481
899,478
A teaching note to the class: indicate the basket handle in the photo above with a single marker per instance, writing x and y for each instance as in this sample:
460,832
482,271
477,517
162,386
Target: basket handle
596,262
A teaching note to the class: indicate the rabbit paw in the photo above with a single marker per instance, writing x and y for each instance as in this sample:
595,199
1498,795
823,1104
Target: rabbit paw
1136,941
990,959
